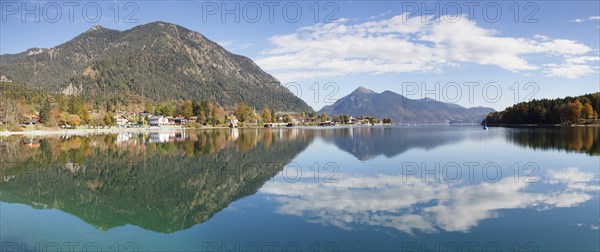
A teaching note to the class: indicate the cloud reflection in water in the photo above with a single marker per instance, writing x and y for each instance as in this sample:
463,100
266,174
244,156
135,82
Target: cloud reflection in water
409,204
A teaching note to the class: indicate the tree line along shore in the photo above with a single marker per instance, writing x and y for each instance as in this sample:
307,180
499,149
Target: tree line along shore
580,110
49,111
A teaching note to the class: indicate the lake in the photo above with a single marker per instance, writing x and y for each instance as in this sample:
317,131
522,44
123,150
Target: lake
422,188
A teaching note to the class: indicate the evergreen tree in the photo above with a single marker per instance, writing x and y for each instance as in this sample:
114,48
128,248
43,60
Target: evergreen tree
74,106
45,112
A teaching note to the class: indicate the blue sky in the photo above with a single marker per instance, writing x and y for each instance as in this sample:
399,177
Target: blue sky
548,49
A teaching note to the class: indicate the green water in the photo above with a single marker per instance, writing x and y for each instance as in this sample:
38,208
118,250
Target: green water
429,188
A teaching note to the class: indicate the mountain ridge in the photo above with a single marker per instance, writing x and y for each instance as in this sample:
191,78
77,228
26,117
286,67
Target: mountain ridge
401,109
155,61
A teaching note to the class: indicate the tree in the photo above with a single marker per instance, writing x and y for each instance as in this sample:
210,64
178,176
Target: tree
74,106
206,112
74,120
586,113
109,120
196,108
149,108
336,118
218,115
63,103
572,111
187,110
85,116
244,113
165,109
323,117
273,117
266,114
45,113
53,121
287,118
63,118
345,119
202,118
210,116
387,120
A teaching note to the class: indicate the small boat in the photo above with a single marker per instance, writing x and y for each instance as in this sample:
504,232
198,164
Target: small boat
485,127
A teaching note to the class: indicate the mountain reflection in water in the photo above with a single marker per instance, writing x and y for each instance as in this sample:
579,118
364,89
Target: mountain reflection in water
167,181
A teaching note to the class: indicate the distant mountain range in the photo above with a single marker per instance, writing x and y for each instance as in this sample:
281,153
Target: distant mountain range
400,109
158,61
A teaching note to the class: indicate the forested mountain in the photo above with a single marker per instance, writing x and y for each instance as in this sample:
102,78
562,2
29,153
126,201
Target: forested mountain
158,61
580,109
403,110
7,58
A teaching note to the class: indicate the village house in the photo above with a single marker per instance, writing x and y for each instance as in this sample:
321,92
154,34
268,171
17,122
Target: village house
364,120
171,120
31,119
180,120
158,121
121,121
233,121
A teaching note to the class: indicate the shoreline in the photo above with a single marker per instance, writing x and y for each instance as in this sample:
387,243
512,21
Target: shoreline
115,130
542,125
112,130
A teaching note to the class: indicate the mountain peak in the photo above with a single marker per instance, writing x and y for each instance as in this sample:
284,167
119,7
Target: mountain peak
173,62
160,23
364,90
96,27
163,25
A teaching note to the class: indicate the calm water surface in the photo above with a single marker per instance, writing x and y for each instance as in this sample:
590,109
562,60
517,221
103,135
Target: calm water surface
434,188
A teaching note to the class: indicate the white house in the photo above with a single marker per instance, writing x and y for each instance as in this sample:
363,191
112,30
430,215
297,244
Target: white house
158,121
233,122
121,121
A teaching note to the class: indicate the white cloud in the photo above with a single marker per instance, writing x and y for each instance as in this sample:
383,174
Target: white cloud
245,45
564,47
573,67
573,178
569,71
225,43
403,43
569,175
409,204
578,20
381,15
582,59
541,37
232,44
470,43
594,18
